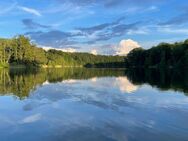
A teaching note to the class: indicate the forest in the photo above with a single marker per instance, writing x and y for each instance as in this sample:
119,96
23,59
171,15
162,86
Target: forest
164,55
20,51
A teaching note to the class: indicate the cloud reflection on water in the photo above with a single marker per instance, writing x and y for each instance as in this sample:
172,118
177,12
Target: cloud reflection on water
97,108
125,85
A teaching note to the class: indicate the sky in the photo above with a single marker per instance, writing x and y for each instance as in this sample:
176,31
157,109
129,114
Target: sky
96,26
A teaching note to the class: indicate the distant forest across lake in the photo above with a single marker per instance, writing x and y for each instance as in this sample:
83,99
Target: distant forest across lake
19,51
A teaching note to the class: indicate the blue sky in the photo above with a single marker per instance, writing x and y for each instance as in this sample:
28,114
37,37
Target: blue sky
86,25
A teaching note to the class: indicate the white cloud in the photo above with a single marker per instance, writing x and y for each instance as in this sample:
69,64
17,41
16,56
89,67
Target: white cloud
125,46
71,50
31,119
70,81
94,52
30,10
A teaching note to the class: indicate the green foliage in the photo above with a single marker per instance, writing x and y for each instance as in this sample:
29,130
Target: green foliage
83,59
163,55
20,51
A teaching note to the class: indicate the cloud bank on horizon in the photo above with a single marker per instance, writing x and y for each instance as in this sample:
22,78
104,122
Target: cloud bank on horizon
98,27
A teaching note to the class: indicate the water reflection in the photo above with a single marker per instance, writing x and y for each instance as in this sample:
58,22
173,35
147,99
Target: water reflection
22,82
125,85
92,104
164,79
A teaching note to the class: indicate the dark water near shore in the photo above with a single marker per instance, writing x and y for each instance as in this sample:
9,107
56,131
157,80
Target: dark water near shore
93,105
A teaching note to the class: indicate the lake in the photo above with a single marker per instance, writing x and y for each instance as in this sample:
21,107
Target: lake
93,105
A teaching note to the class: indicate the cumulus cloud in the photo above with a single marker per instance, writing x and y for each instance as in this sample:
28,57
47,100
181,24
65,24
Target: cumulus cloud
125,46
71,50
30,10
94,52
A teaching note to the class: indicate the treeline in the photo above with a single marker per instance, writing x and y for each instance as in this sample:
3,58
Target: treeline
55,57
163,55
22,82
20,51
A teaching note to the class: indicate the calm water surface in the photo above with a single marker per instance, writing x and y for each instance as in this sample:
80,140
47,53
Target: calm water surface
93,105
